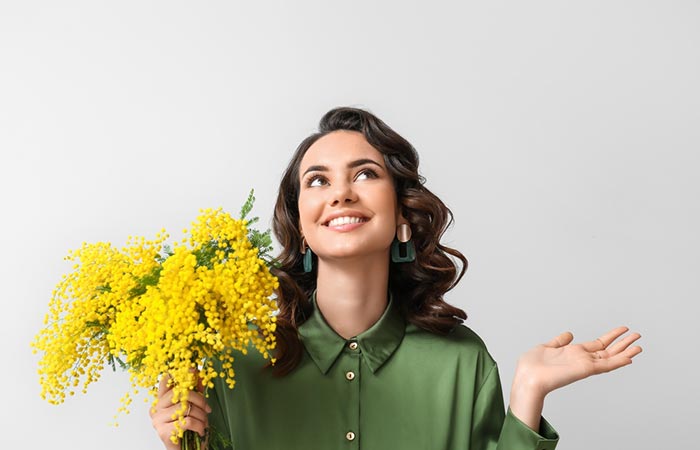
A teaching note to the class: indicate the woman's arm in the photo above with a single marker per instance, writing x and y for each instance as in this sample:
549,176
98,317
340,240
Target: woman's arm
559,362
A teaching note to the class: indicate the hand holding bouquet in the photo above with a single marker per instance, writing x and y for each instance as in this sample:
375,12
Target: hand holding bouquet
155,310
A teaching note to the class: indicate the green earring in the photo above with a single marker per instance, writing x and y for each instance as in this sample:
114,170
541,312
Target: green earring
402,248
308,256
308,261
402,252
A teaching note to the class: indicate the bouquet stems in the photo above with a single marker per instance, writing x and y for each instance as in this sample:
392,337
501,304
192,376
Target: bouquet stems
191,441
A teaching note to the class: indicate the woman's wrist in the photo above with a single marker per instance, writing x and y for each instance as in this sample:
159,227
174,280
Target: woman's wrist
527,400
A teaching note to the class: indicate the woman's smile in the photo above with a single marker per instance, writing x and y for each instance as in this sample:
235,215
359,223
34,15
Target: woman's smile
345,221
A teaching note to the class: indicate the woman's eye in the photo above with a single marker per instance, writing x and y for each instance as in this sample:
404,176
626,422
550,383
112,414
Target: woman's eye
315,181
366,174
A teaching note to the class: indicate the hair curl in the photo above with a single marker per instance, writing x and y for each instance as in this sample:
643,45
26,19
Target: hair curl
417,287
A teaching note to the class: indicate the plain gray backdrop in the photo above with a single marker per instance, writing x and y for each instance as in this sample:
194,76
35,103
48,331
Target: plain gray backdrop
564,136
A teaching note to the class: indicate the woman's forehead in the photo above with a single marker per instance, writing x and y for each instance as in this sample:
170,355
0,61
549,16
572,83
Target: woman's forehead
339,148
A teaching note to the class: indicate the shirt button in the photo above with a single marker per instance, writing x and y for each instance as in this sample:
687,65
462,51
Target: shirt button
350,436
353,346
350,375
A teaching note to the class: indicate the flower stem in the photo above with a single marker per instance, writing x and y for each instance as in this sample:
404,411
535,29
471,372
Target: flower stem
191,441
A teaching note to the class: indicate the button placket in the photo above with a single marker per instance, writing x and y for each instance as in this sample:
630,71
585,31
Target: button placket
351,378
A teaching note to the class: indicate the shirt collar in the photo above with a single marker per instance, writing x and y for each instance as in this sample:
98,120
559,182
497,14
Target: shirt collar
377,343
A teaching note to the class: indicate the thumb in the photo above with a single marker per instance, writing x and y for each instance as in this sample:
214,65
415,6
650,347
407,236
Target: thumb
563,339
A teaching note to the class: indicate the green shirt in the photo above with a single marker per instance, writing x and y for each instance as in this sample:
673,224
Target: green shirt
394,386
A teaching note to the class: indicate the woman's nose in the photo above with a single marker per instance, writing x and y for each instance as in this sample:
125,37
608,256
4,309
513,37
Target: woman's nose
343,193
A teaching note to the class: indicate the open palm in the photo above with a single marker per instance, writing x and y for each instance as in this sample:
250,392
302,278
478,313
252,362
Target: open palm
559,362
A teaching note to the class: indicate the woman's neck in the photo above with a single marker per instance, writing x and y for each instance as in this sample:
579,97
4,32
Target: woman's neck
352,296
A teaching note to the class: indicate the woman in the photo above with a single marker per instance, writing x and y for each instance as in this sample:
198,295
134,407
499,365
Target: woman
369,354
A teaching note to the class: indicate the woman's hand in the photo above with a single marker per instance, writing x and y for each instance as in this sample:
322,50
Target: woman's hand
559,362
196,418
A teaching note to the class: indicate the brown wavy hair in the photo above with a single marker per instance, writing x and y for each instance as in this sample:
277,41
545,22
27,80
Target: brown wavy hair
418,287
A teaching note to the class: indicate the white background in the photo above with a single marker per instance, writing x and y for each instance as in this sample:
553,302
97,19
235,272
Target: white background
564,136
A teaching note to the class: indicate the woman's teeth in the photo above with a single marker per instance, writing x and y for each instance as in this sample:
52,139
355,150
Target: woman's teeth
345,220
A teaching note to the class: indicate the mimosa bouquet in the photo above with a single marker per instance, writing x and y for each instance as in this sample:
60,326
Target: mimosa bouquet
155,309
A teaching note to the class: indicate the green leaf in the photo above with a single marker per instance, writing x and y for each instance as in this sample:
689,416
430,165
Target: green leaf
248,205
150,279
121,363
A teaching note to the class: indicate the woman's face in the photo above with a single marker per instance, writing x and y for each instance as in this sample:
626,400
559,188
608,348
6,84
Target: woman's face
347,202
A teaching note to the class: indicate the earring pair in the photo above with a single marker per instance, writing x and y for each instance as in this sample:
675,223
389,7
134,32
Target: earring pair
402,248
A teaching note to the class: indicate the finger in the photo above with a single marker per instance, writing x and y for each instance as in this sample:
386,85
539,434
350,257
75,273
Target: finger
632,352
595,345
163,385
563,339
609,364
616,361
165,401
198,400
199,414
197,422
611,335
605,340
189,423
617,347
166,414
194,424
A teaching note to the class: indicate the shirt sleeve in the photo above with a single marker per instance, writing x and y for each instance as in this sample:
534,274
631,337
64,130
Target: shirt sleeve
493,429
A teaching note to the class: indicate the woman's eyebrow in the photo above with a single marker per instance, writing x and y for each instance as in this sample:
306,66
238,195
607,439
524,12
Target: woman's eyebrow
361,162
351,165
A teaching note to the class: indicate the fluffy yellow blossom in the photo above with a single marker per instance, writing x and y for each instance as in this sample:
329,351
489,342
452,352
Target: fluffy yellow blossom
157,310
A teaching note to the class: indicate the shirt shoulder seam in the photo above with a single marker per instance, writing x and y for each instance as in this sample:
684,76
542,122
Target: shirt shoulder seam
486,378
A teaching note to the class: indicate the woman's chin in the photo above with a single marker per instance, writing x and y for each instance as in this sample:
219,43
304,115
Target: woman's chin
355,255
